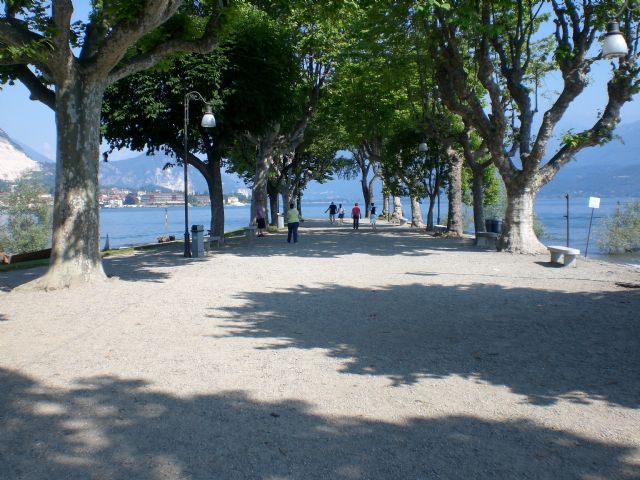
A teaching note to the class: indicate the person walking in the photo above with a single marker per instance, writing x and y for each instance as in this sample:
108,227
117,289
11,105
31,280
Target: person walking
372,216
293,222
340,214
355,214
332,212
260,219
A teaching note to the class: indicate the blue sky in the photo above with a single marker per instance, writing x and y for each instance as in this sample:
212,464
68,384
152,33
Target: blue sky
33,124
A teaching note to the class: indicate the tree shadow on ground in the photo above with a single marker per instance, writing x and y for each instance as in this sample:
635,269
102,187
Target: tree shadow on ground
12,278
144,266
336,242
107,427
545,345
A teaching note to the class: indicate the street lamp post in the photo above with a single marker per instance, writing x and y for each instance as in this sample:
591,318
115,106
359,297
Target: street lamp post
208,121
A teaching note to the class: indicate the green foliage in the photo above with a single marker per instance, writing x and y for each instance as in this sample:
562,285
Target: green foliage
249,81
574,140
621,230
496,203
28,219
416,173
493,187
538,227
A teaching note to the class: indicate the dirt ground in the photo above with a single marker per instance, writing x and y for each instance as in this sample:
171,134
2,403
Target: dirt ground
349,355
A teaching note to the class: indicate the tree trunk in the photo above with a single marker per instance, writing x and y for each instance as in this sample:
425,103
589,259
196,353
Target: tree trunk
366,194
478,201
75,249
217,199
385,206
432,202
517,229
285,194
260,177
455,224
416,212
397,207
273,204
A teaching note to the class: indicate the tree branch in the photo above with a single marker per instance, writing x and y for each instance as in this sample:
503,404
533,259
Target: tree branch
37,89
16,33
123,35
61,15
148,59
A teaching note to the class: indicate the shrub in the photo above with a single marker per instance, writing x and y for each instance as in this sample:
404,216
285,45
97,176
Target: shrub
26,222
621,231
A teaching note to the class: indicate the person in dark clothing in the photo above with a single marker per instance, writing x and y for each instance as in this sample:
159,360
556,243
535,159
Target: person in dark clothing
332,212
372,216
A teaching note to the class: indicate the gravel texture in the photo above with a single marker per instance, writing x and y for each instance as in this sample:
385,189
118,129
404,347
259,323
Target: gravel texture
350,355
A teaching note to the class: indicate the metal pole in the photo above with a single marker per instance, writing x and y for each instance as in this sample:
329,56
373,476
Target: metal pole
567,217
187,240
586,249
438,222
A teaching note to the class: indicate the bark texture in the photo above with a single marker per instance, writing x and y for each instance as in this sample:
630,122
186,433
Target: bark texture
518,235
75,252
455,224
416,212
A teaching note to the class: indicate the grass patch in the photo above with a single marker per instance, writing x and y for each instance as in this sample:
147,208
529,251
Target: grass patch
43,262
7,267
238,232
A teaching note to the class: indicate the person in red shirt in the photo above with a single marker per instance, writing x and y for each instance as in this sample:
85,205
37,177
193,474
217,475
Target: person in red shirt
355,214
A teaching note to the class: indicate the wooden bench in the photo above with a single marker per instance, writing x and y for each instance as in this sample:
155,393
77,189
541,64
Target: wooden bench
569,254
486,239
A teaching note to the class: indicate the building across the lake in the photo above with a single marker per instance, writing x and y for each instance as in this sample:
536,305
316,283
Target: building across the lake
161,198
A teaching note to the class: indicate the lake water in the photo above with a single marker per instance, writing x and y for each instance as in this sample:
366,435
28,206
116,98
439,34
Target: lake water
134,226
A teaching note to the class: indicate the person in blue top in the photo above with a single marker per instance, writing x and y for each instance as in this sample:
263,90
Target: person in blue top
293,222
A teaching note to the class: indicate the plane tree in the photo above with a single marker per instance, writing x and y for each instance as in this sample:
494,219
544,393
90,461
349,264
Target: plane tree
505,43
146,111
317,33
67,66
367,92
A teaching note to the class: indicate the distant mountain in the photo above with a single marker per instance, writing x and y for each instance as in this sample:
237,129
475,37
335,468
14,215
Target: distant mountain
612,170
34,154
14,161
148,173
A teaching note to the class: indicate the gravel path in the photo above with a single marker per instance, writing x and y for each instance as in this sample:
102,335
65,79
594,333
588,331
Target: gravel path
350,355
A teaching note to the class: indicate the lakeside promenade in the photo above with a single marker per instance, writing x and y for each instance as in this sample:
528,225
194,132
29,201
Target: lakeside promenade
350,355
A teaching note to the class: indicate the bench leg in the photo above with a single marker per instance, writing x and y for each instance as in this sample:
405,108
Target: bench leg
555,257
570,260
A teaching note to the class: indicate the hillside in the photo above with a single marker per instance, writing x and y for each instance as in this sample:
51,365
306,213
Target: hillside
612,170
147,172
14,162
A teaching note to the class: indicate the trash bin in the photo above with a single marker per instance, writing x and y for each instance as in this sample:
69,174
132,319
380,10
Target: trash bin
197,241
280,220
493,225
